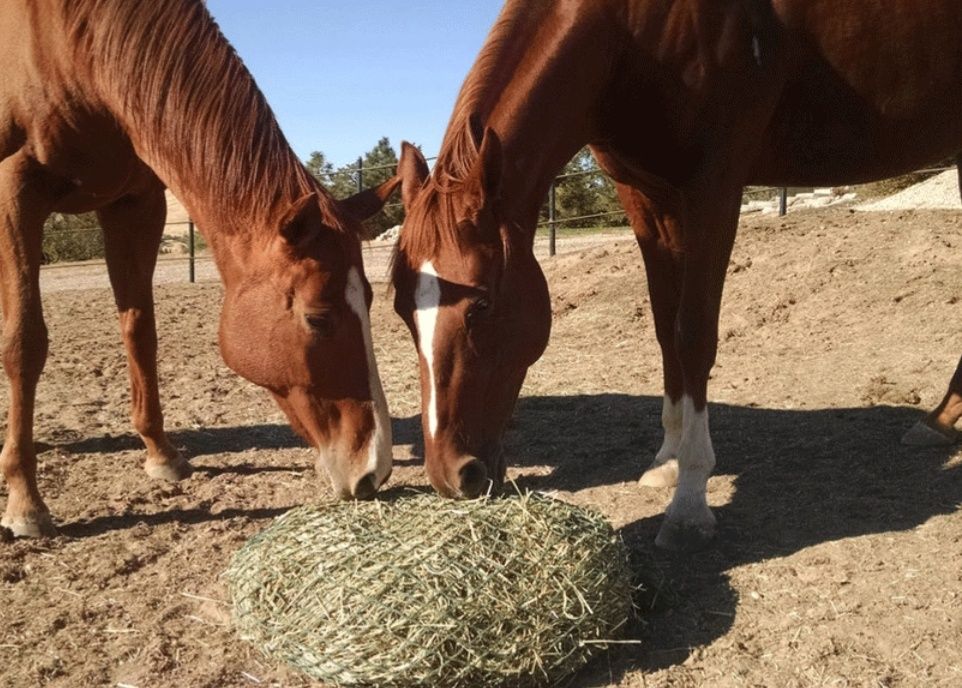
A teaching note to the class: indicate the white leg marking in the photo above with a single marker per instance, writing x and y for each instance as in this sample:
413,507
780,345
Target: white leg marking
663,471
380,455
671,421
696,456
688,514
427,300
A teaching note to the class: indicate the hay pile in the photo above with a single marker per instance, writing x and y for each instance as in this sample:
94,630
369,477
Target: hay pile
429,592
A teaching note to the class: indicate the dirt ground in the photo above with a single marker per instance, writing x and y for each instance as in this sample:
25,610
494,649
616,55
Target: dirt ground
839,554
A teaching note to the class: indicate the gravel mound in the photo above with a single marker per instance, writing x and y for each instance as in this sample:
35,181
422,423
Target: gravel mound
940,192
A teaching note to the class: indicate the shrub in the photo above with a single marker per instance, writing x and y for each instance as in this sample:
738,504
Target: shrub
71,238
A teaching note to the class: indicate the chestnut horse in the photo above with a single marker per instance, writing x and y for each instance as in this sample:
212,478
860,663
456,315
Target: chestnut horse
684,103
102,105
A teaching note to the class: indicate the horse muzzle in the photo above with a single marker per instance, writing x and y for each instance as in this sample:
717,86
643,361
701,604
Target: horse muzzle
470,475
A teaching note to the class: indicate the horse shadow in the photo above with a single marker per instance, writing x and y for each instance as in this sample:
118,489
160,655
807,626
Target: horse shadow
801,478
199,442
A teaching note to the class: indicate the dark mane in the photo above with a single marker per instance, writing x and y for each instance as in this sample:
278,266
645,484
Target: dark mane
433,212
191,106
494,68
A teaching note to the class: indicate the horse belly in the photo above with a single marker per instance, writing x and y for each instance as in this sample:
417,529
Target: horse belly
815,147
875,89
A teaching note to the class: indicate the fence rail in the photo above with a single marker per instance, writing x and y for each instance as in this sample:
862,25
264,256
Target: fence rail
552,223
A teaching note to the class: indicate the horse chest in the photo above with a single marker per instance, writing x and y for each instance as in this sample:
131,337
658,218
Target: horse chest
86,159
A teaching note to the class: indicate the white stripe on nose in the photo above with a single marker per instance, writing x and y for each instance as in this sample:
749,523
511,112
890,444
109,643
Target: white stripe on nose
427,300
379,446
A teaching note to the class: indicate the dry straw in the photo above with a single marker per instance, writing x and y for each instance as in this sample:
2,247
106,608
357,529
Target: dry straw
517,591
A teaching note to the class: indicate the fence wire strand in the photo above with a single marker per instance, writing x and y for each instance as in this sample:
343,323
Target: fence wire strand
353,170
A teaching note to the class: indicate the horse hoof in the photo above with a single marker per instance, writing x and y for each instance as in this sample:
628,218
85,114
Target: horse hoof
171,472
664,475
689,526
924,435
685,537
36,525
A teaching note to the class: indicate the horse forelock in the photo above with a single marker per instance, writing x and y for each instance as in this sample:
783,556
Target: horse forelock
431,223
166,70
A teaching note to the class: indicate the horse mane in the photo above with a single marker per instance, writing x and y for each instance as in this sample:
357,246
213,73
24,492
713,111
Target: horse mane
191,107
433,211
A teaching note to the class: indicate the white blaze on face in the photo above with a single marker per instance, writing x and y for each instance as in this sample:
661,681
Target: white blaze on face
379,446
427,300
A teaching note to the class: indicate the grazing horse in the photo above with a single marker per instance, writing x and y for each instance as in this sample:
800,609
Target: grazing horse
684,102
102,105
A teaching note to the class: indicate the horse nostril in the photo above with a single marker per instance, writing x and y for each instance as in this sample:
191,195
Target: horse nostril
474,478
366,488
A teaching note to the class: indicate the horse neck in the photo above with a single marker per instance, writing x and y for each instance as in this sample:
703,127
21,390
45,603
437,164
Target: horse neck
192,112
556,66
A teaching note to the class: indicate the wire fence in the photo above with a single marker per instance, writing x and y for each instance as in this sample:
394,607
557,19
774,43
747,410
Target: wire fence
187,246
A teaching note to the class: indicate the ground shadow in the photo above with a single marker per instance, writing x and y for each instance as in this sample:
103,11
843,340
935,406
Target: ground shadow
105,524
221,440
802,477
197,441
100,525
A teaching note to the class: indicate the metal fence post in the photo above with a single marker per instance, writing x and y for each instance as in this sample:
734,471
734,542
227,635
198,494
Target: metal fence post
552,225
783,201
190,244
360,175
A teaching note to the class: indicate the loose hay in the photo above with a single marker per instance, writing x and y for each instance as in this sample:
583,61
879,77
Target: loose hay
428,592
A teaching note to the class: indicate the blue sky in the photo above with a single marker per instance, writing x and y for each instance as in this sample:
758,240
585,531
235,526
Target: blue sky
340,75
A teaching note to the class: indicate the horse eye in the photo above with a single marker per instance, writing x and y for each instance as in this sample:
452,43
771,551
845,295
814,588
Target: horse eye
321,323
478,308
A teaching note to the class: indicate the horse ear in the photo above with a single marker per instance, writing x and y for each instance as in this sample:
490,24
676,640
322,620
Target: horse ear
369,202
303,220
477,129
413,171
490,165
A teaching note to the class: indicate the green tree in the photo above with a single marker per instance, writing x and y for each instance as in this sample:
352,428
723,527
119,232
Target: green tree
586,192
319,166
340,182
71,238
380,164
377,165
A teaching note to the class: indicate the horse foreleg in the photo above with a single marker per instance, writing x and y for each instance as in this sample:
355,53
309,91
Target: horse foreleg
658,237
22,212
710,234
133,227
938,427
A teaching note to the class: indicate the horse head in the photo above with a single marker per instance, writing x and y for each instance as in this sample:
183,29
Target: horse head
295,321
475,300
